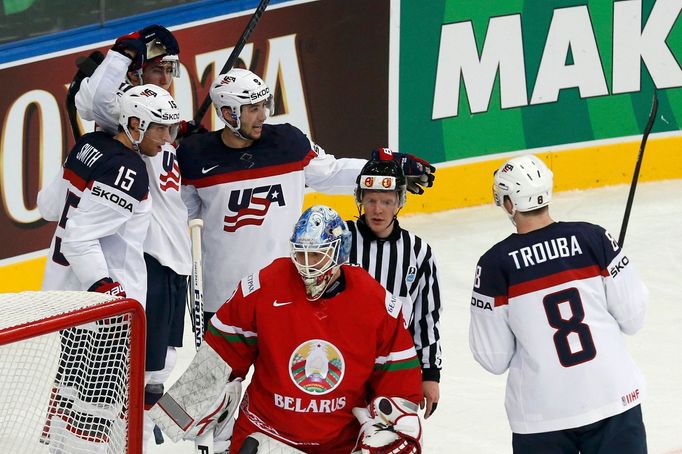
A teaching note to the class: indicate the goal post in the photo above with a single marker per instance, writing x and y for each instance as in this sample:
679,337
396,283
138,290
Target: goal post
71,373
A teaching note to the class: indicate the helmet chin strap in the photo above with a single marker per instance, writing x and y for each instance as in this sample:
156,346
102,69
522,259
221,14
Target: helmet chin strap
238,132
136,144
390,224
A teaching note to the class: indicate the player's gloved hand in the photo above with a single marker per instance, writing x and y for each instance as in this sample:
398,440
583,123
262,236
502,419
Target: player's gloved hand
163,36
132,46
108,286
136,44
389,425
188,128
418,172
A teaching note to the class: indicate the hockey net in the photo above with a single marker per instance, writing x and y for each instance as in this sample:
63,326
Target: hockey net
72,373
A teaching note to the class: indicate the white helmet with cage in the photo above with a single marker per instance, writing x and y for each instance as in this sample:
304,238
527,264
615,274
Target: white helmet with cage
236,88
319,246
157,53
526,180
149,104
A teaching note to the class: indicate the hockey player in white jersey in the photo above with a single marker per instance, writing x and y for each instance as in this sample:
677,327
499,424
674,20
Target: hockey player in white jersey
247,182
550,304
150,56
100,201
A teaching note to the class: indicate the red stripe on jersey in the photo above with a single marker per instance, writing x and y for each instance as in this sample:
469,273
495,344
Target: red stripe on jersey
74,179
242,223
501,301
309,157
249,174
169,185
250,211
555,279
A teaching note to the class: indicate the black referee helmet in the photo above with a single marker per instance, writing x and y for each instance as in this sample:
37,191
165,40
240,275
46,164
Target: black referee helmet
379,175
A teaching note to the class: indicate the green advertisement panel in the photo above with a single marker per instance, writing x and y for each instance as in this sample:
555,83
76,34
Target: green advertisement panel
478,78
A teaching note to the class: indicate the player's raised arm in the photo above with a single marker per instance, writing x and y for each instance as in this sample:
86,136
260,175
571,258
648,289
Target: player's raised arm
98,96
325,173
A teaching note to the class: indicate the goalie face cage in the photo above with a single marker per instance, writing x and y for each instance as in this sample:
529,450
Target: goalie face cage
71,373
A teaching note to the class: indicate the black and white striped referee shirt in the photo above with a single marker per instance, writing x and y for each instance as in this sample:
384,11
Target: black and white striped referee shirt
404,264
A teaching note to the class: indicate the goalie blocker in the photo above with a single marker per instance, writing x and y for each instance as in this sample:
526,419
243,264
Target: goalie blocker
202,402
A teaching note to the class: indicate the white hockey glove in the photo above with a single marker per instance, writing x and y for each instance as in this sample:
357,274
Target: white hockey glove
218,415
390,425
199,401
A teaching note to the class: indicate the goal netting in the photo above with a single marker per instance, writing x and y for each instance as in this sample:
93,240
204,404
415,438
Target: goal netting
71,373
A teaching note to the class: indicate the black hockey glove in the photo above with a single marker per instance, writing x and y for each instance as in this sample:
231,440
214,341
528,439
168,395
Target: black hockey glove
418,172
136,43
132,43
108,286
188,128
162,35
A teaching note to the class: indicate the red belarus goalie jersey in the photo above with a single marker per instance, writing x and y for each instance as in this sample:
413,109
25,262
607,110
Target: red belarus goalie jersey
314,360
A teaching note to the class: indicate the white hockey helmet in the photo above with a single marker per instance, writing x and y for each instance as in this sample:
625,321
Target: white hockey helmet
156,53
236,88
319,246
149,104
526,180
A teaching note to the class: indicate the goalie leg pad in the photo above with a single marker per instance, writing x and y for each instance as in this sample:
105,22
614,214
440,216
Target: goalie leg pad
199,399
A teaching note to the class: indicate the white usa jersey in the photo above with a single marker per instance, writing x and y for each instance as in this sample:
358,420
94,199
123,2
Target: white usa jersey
250,199
98,100
167,240
552,306
100,201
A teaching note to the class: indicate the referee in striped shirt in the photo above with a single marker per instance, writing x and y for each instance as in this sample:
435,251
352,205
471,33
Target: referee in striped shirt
402,262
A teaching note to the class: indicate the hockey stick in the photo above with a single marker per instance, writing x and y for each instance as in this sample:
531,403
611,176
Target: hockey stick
196,282
202,444
635,176
233,56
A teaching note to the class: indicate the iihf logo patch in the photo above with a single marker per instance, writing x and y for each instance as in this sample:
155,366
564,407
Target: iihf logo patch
316,367
411,274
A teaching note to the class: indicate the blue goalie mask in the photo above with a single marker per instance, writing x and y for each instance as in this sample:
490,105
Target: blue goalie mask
319,246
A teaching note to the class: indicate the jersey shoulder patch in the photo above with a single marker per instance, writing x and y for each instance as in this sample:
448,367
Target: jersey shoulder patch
250,284
393,305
